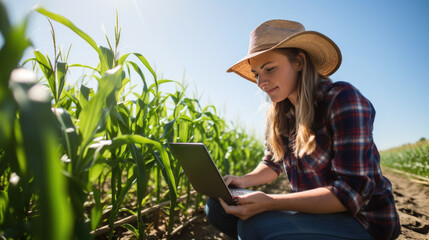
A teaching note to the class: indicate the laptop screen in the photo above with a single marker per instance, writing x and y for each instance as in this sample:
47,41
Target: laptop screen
201,170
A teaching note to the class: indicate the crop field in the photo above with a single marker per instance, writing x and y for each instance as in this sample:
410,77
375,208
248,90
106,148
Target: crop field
75,160
411,158
83,162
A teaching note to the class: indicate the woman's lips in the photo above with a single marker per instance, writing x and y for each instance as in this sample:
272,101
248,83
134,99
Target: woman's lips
271,90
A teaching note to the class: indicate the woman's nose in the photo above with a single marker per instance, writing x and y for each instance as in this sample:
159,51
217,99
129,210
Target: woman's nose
261,81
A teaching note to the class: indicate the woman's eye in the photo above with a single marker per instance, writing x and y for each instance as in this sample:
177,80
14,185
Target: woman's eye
270,69
256,75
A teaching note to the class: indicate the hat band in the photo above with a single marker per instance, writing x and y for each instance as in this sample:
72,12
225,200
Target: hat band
262,48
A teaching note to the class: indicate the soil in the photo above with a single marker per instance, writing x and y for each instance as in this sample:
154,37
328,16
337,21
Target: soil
411,199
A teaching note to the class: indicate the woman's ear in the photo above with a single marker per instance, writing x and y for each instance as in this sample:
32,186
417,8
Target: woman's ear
300,60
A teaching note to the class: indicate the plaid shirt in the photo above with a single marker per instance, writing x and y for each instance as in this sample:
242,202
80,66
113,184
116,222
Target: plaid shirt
346,159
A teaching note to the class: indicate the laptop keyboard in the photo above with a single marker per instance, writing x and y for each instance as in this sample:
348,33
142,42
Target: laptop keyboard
239,191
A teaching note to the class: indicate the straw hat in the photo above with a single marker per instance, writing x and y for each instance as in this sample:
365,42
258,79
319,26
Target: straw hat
274,34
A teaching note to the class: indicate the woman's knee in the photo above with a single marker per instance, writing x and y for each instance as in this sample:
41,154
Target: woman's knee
265,225
292,225
218,218
213,209
250,228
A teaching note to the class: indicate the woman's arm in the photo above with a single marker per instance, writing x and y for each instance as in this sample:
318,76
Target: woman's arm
260,175
318,201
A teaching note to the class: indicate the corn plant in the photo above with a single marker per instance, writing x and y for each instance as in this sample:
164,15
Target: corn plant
28,162
97,150
413,159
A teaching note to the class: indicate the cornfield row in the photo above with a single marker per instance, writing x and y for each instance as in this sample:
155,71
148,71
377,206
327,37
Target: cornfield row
413,159
72,159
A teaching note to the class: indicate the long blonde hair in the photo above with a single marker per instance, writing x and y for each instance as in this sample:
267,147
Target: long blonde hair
304,110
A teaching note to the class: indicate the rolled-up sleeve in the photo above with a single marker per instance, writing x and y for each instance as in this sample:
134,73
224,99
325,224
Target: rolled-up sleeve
351,116
269,161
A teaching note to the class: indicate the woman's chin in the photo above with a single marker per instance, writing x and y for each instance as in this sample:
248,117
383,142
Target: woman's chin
276,99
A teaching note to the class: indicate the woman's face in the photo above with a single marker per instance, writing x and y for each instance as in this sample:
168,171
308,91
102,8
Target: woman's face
276,75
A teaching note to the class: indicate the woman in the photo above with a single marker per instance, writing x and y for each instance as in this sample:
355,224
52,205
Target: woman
320,134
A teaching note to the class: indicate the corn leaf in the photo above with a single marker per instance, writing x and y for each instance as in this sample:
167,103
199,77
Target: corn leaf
159,82
141,184
168,128
80,33
140,73
131,228
4,202
61,76
39,132
108,55
116,206
47,71
4,20
14,44
92,113
84,66
123,58
146,63
69,133
164,160
96,210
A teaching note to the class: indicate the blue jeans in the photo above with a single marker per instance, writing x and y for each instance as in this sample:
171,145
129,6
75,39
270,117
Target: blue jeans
285,225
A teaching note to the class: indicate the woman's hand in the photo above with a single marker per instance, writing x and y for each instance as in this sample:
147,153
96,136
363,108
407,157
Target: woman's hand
248,205
260,175
234,181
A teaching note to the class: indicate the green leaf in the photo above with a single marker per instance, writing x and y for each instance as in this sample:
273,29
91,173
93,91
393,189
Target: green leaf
141,183
73,98
164,160
159,82
69,133
184,131
146,63
140,73
123,58
84,66
115,208
131,228
109,56
80,33
14,44
4,20
7,115
168,128
47,70
96,210
61,75
39,132
28,60
95,171
92,113
84,94
4,202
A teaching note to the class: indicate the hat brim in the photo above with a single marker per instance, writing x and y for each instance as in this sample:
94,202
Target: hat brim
324,53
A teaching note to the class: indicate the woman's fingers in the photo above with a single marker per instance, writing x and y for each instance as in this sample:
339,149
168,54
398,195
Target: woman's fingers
227,179
256,200
232,181
230,209
239,211
245,199
224,205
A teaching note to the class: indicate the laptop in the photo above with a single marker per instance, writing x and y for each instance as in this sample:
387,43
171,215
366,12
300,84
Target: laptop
202,171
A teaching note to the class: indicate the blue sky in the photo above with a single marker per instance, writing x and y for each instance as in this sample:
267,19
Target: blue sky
384,45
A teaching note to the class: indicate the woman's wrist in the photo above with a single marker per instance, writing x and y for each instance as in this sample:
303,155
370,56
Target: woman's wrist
243,181
272,202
